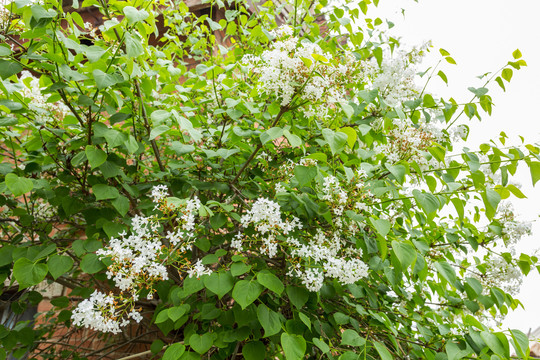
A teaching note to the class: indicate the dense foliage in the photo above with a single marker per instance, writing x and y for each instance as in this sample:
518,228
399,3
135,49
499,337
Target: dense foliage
290,191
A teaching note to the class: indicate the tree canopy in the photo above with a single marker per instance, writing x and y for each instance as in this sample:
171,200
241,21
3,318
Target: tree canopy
229,183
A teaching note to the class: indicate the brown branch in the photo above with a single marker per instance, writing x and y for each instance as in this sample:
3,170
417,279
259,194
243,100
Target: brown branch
147,126
283,110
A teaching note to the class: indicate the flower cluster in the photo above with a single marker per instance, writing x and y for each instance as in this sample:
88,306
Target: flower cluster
312,258
265,215
395,77
101,312
326,255
290,69
497,272
43,110
136,258
138,261
335,194
408,143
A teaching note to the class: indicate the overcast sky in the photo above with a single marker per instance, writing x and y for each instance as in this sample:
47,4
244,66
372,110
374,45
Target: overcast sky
481,36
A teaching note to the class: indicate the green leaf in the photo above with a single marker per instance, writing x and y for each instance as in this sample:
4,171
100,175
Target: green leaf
103,80
131,144
9,68
134,46
134,16
294,346
351,338
507,74
304,174
368,96
405,252
159,116
478,91
491,201
5,50
254,350
383,351
321,345
95,156
156,346
516,54
381,225
28,273
517,192
428,202
181,149
158,131
104,192
177,312
442,75
109,170
215,26
18,185
271,134
444,52
352,135
495,344
398,171
239,268
450,60
298,296
201,343
59,265
520,342
162,316
246,291
270,281
347,109
447,271
458,204
38,13
336,140
114,138
121,204
499,81
91,264
270,320
174,352
6,252
219,283
293,140
454,352
534,167
473,288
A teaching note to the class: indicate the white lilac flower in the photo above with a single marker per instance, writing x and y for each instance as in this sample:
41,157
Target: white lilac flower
188,216
265,214
159,192
198,270
43,110
97,313
135,256
408,143
312,279
395,78
279,188
290,68
236,242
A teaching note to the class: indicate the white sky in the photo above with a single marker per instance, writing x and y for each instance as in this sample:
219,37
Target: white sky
481,36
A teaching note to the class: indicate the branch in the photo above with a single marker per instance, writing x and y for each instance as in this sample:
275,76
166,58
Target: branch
260,145
147,126
134,356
